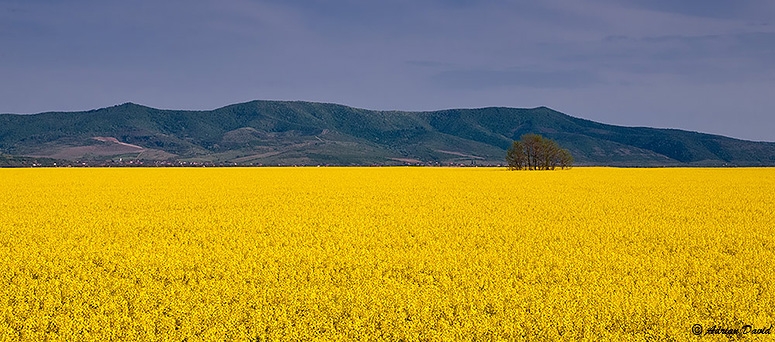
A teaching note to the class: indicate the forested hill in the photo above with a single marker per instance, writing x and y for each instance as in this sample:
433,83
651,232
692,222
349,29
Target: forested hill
305,133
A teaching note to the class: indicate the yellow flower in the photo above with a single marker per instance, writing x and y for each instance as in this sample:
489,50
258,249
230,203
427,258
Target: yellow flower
384,253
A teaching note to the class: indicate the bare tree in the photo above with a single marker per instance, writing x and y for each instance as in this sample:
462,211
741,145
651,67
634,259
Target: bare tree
534,152
515,156
565,159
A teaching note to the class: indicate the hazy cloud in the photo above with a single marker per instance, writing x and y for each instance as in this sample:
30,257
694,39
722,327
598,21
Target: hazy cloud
721,9
482,79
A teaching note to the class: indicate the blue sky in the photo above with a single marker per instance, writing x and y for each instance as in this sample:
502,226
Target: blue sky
705,66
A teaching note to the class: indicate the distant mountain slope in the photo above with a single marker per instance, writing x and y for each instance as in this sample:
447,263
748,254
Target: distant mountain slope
304,133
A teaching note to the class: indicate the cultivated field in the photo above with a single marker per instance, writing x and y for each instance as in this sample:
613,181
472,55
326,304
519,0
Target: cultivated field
384,253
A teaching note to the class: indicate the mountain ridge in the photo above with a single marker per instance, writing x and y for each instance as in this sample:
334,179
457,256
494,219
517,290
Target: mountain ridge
265,132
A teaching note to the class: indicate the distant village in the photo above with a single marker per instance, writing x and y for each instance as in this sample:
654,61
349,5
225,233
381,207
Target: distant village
15,161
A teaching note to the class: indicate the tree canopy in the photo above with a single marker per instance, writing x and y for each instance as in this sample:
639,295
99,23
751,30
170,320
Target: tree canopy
534,152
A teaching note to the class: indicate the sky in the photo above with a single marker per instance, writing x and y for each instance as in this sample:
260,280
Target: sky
699,65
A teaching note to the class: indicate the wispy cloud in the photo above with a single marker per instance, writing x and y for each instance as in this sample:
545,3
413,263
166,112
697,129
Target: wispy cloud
485,78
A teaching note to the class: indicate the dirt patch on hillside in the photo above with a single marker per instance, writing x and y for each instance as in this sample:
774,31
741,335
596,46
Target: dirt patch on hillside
459,154
407,160
104,148
115,141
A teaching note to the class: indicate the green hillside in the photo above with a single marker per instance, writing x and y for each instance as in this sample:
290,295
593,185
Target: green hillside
304,133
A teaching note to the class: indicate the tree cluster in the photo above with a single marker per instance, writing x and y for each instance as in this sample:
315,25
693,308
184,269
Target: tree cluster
534,152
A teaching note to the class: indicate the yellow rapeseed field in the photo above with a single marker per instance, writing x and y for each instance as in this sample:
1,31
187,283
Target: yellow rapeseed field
285,254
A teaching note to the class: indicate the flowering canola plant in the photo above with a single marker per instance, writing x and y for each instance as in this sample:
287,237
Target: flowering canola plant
383,253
